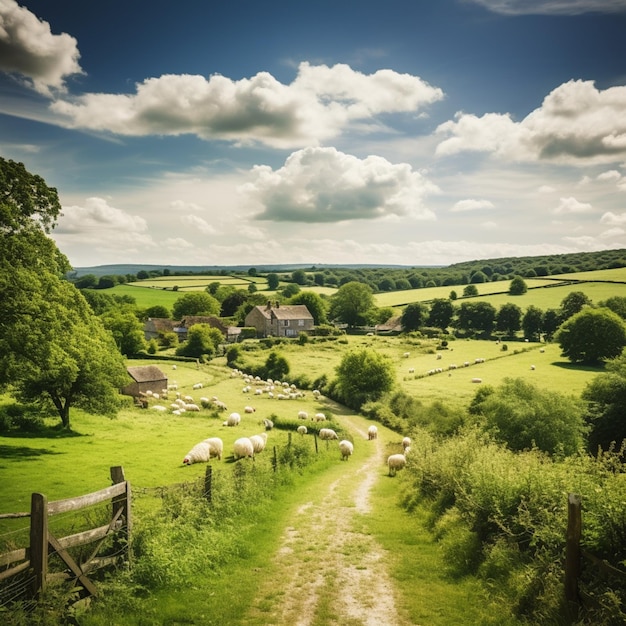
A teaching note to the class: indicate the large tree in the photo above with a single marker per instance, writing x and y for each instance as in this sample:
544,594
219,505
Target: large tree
314,303
592,336
352,303
414,316
441,313
509,318
477,317
53,349
196,303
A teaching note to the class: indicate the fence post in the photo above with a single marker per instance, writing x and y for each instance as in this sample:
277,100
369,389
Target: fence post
315,439
208,486
275,460
39,541
122,502
572,553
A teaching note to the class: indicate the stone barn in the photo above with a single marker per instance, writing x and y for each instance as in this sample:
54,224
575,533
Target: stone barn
145,378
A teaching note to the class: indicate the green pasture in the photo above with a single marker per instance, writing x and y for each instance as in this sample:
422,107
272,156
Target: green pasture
197,282
617,274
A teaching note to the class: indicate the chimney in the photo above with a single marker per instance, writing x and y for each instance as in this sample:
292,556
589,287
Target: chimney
269,305
277,304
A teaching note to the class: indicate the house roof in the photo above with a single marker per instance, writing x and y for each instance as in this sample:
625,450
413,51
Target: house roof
189,320
286,312
392,324
146,373
162,324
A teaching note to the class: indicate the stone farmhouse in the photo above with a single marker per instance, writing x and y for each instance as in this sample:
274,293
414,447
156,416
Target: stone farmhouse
280,320
145,378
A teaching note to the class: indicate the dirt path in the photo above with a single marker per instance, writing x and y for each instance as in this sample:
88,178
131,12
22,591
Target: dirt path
333,571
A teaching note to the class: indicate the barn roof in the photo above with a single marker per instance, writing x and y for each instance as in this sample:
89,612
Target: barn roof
146,373
291,312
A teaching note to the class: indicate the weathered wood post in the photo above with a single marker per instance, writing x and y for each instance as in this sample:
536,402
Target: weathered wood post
122,502
39,541
315,439
208,484
572,553
275,460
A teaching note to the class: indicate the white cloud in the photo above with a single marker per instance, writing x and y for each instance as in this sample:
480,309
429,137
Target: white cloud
472,205
570,205
610,175
576,123
177,243
29,49
546,189
98,217
489,226
320,103
325,185
552,7
612,232
613,219
199,224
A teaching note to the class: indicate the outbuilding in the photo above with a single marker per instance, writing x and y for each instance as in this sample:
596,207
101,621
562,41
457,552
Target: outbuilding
145,378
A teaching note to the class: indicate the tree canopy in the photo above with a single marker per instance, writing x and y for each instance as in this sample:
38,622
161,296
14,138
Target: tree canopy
196,303
352,303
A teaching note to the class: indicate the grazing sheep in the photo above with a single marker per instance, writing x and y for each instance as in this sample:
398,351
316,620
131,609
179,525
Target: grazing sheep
259,442
372,432
200,453
219,405
438,357
320,417
216,446
188,399
302,429
198,386
159,408
406,355
477,380
316,393
233,419
406,442
268,424
303,415
205,403
532,367
395,462
192,407
243,448
249,409
411,370
346,449
327,434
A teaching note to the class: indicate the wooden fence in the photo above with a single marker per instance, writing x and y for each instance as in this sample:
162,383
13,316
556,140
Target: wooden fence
43,544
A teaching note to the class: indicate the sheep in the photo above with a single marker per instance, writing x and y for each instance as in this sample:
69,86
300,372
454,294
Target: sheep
439,357
477,380
532,367
268,424
216,446
205,403
192,407
302,429
198,386
395,462
200,453
188,399
320,417
158,407
233,419
243,448
303,415
219,405
372,432
406,355
406,442
249,409
327,433
258,442
411,370
346,449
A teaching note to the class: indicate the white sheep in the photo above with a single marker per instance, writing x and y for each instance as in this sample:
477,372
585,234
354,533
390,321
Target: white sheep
477,380
200,453
268,424
316,393
188,399
249,409
303,415
406,355
205,403
198,386
259,442
233,419
216,446
406,442
320,417
243,448
411,370
395,462
327,434
302,429
219,405
346,449
372,432
159,408
192,407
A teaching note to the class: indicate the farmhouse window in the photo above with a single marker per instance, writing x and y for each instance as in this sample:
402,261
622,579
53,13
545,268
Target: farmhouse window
300,322
286,323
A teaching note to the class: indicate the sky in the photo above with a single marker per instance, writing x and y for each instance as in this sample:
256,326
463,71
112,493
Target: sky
409,132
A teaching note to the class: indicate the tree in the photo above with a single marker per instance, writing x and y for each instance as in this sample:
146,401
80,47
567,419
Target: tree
156,311
272,281
352,303
518,286
276,366
53,350
202,339
572,304
195,303
441,313
477,317
414,317
606,406
617,304
524,416
299,277
290,290
232,302
315,304
126,329
509,318
592,336
252,271
551,321
532,323
470,291
363,376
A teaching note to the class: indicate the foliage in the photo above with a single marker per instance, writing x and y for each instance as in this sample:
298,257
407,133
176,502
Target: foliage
363,376
532,323
195,303
352,303
476,317
509,318
157,311
617,304
573,303
202,340
272,281
470,290
276,366
518,286
414,317
592,336
522,416
314,303
441,313
126,329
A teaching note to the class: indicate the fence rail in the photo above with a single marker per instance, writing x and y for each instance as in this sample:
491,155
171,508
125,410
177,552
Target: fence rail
43,543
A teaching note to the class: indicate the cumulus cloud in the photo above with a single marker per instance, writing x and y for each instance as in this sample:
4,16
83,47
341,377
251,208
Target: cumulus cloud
97,216
325,185
177,243
613,219
29,49
471,205
317,105
570,205
552,7
199,224
576,123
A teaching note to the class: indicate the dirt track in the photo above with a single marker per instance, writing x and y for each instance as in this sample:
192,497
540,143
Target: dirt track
335,572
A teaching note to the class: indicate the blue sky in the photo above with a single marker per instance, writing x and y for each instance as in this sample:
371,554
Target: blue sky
408,132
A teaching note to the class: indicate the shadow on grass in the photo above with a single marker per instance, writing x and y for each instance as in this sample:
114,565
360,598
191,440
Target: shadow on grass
567,365
44,432
23,452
